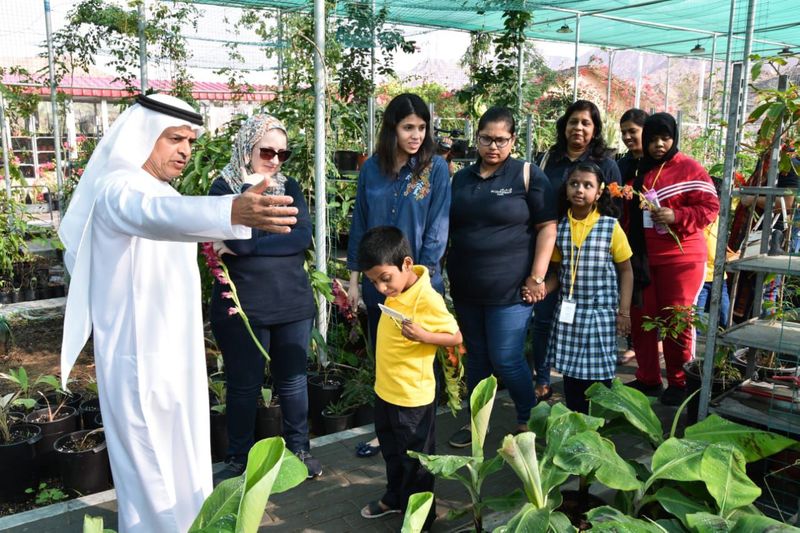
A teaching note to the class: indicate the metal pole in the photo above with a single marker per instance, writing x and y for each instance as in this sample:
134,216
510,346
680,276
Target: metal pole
371,99
577,43
748,46
280,48
638,98
711,81
726,75
608,88
679,120
6,155
666,92
529,138
320,191
53,102
701,85
141,23
719,259
520,73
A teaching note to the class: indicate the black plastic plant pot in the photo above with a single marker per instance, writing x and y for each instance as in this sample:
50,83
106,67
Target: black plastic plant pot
98,420
89,410
18,468
219,436
15,417
269,422
83,461
66,422
336,423
73,400
321,393
365,414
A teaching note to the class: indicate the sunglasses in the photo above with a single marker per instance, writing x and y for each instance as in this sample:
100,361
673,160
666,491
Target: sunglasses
267,154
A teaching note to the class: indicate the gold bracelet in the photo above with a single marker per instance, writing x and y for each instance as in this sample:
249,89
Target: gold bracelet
623,314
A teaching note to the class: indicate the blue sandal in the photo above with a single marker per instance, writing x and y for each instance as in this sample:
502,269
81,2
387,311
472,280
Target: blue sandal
364,449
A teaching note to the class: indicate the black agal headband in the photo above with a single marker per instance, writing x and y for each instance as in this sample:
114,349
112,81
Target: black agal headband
161,107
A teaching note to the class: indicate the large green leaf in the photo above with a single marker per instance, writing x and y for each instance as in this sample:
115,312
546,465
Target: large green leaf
263,465
723,470
222,504
671,526
94,524
444,466
292,473
520,453
754,444
537,423
529,519
561,428
488,467
707,523
506,503
677,459
559,523
678,504
607,518
631,404
747,523
481,402
588,452
419,505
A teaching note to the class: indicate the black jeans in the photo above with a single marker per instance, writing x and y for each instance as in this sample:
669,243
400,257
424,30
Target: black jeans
399,430
575,392
287,345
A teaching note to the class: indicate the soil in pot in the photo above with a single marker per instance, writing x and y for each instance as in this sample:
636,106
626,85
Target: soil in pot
764,371
219,436
66,420
575,505
322,391
269,421
694,382
89,410
83,461
335,423
18,468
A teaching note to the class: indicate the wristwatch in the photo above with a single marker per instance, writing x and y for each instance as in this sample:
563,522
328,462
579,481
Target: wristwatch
537,279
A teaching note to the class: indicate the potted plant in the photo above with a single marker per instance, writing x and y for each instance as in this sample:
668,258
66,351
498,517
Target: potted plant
19,379
219,420
337,416
83,461
269,418
359,391
90,407
54,421
18,469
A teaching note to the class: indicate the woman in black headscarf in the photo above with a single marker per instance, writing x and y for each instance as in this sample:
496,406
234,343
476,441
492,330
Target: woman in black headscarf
667,274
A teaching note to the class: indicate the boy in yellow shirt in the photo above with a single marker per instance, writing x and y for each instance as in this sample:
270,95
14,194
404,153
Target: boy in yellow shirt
416,322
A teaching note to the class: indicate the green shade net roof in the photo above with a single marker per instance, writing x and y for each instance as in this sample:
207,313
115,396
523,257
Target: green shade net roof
670,27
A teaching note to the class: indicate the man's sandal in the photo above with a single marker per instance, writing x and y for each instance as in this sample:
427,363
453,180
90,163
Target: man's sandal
376,509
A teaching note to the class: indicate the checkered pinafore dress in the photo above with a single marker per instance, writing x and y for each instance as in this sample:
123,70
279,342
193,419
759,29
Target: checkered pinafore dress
587,348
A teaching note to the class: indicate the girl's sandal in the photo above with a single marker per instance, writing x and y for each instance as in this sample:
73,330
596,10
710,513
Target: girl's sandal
365,449
376,509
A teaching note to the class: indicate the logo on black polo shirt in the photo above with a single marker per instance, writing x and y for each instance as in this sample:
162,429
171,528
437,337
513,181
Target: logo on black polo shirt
502,192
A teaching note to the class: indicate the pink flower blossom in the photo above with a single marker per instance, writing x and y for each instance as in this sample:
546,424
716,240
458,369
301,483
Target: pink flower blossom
233,311
227,294
341,302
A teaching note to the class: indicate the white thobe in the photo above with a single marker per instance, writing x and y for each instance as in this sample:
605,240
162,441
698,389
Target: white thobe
144,299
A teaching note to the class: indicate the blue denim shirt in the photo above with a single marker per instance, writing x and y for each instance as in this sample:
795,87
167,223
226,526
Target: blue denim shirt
419,207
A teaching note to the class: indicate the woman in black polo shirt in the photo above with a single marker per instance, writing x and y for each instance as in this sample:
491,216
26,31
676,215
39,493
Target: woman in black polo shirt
579,137
502,232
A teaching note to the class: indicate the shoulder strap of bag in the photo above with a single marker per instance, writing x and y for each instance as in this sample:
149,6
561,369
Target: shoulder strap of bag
526,175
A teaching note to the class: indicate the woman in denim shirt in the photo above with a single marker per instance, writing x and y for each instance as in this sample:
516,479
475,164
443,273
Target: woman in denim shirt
404,184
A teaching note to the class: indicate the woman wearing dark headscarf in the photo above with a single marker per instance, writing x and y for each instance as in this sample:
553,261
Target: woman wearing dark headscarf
668,276
579,139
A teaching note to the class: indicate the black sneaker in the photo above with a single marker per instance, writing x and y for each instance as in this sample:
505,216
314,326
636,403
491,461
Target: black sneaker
644,388
673,396
313,465
461,438
232,469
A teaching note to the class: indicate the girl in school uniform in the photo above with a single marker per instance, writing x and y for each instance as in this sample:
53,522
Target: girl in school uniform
595,280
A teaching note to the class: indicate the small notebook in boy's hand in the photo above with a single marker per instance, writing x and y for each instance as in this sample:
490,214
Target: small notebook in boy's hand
397,315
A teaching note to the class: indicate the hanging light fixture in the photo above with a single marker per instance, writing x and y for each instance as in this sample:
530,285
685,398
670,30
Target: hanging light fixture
564,29
786,52
697,49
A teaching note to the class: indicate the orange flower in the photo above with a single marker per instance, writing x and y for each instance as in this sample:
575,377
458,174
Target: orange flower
615,190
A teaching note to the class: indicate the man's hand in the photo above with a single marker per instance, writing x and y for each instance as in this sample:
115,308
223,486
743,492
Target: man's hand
268,213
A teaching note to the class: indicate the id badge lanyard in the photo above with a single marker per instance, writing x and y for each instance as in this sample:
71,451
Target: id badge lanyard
568,306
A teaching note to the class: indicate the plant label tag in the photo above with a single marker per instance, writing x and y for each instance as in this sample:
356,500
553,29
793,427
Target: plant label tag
647,220
567,314
397,315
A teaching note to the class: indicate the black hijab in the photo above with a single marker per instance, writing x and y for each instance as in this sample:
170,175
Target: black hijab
657,124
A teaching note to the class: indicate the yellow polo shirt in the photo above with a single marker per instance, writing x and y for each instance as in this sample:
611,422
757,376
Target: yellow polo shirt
710,233
579,229
404,369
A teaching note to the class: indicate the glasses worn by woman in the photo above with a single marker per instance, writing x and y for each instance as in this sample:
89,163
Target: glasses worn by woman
500,142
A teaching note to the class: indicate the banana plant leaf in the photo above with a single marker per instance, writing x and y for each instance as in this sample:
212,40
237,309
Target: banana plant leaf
589,453
419,505
753,443
723,470
631,404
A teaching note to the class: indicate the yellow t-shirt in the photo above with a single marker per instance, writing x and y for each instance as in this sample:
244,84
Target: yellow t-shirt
710,232
579,229
404,369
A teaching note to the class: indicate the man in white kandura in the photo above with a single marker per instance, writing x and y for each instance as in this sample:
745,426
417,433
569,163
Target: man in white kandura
129,239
